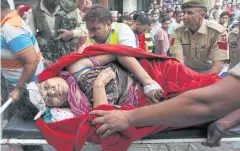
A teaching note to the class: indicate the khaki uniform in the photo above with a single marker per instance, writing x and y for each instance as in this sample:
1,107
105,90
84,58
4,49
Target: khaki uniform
208,44
234,47
235,71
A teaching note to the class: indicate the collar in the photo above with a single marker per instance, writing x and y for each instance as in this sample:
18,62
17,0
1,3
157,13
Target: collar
202,29
43,8
9,16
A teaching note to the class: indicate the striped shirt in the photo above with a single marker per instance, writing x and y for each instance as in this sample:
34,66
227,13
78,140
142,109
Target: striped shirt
149,40
16,39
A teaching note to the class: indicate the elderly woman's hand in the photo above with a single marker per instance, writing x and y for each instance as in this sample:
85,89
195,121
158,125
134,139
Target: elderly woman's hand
105,76
154,92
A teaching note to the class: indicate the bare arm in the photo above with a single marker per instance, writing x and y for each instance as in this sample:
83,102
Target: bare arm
230,121
191,108
31,61
129,63
216,130
99,91
161,47
217,67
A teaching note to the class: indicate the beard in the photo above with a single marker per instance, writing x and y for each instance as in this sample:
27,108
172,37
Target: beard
99,41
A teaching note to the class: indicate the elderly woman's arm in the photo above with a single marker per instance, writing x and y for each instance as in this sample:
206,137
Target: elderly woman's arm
129,63
99,91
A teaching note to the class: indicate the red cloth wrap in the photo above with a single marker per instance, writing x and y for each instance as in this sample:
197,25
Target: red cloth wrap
172,75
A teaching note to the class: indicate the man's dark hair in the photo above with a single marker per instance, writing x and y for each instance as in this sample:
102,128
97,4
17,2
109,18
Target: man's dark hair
98,13
4,5
148,21
225,13
121,18
165,18
177,12
140,17
24,108
153,12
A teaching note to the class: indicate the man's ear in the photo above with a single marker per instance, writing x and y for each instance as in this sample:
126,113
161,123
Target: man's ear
109,23
203,14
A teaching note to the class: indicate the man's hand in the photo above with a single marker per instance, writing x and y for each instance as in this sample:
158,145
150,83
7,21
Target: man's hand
47,63
65,35
15,94
214,135
112,121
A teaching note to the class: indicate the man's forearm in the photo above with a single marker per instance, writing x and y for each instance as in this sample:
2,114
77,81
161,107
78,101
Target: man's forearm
217,67
230,121
29,70
192,107
215,70
182,111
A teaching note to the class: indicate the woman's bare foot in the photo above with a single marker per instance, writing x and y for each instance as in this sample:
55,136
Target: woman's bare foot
105,76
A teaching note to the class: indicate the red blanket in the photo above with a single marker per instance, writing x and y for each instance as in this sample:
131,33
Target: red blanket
173,76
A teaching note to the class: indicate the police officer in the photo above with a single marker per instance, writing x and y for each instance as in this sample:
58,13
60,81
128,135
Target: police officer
202,45
234,47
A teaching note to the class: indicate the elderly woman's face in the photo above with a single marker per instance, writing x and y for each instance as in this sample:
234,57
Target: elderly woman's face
54,91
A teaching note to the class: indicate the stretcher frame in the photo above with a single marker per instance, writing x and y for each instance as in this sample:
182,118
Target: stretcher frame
13,141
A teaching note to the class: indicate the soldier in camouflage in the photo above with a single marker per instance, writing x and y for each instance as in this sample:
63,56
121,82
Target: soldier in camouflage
58,27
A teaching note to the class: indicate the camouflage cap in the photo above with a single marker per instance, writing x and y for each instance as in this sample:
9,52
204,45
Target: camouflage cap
194,4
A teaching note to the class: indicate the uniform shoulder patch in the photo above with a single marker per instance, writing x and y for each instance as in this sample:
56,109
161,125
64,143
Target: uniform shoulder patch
216,26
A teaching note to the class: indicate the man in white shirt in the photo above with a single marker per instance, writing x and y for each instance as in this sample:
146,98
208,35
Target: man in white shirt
179,18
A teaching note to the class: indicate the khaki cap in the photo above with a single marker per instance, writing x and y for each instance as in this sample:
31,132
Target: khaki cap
194,4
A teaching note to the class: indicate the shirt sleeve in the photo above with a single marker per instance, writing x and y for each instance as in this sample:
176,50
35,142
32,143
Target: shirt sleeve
80,30
159,35
235,71
126,36
220,48
176,44
18,40
30,21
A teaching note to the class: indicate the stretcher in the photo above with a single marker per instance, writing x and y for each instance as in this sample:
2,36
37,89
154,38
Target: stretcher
20,132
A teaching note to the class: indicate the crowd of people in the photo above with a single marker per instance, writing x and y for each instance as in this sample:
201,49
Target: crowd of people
202,39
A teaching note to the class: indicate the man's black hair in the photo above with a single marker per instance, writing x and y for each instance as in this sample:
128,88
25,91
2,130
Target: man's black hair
98,13
4,5
121,18
148,21
24,108
225,13
165,18
177,12
153,12
140,17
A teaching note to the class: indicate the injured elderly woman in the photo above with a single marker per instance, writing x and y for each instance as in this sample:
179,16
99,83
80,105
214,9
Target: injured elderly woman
87,83
78,81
